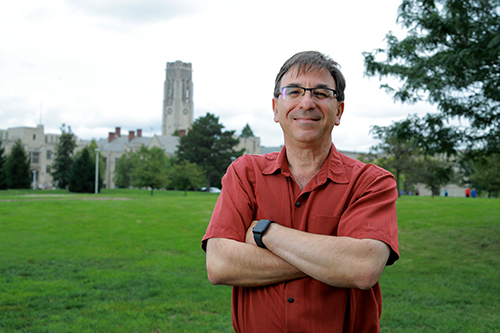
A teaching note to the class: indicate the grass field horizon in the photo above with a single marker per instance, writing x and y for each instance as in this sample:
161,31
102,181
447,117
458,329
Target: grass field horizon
123,261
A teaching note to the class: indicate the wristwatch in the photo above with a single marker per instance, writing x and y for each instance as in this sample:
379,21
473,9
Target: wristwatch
259,230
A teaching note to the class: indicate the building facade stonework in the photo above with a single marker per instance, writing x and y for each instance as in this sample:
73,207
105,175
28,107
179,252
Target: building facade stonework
177,99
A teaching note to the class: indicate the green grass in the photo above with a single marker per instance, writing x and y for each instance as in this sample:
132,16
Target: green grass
72,264
133,263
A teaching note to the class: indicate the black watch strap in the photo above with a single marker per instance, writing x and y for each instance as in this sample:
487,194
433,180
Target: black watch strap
259,230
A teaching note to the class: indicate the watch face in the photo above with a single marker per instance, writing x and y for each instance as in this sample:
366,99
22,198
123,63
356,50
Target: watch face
261,226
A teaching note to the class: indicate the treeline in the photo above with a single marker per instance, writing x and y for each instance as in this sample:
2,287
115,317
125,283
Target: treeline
201,159
403,151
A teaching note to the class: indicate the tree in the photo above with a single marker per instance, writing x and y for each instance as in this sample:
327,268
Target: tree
247,132
451,57
82,174
433,172
398,148
209,147
17,167
486,174
185,175
150,168
123,170
64,158
3,172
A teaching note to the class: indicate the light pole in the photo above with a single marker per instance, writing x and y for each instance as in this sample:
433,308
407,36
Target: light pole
34,179
97,150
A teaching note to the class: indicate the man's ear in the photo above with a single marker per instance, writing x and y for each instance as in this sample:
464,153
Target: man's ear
340,112
275,109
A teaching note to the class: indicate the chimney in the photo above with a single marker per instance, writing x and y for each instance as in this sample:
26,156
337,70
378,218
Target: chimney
139,133
117,131
111,136
131,135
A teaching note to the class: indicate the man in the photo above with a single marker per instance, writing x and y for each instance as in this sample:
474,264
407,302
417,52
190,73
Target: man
316,266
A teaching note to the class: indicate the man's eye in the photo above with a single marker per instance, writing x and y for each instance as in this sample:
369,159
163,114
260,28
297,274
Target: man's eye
294,92
320,94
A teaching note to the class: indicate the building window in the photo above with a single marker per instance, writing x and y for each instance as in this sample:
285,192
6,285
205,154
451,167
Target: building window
35,157
49,154
34,136
47,169
104,160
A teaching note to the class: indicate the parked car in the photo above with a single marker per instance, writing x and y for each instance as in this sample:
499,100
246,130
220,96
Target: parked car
212,189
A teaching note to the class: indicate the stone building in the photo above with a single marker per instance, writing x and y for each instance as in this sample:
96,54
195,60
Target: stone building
40,147
177,99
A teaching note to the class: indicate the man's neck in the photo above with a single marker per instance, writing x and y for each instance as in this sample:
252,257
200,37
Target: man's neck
305,162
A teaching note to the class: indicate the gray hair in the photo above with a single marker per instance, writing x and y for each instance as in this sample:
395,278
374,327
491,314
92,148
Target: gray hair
312,60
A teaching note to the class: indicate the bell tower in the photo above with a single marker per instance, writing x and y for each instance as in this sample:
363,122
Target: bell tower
177,98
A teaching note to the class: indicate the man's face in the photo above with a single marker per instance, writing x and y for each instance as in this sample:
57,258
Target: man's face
307,121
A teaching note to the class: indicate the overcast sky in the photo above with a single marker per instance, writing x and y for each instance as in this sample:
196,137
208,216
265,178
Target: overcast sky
98,64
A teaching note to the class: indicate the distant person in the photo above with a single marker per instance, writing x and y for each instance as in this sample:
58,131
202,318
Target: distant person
467,192
473,193
304,235
445,193
417,192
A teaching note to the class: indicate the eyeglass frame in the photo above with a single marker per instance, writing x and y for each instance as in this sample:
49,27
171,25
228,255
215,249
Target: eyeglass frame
308,89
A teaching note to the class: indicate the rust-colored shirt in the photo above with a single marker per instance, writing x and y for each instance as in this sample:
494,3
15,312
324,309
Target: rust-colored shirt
346,198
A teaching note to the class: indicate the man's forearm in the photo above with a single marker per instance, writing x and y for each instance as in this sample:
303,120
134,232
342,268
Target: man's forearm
338,261
239,264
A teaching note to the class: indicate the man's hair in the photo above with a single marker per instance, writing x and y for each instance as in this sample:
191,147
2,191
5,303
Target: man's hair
312,60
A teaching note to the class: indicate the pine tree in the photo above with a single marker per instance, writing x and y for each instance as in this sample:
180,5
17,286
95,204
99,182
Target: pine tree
247,132
82,175
209,147
64,158
18,167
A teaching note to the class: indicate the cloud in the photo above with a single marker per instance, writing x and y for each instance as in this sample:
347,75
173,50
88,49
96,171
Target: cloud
135,11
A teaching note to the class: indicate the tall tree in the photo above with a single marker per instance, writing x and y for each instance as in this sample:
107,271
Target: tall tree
18,167
247,132
207,145
150,168
82,175
398,149
3,172
451,57
185,175
123,170
64,157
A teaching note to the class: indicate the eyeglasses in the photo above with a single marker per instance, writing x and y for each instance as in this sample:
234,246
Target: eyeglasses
319,95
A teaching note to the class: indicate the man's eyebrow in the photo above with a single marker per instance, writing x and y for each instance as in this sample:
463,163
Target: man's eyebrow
320,85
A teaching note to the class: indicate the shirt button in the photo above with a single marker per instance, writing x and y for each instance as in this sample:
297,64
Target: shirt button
297,204
291,300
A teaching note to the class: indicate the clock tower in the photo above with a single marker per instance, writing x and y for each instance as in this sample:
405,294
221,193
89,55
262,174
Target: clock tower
177,98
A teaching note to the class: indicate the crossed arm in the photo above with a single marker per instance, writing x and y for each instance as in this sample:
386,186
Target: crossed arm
291,254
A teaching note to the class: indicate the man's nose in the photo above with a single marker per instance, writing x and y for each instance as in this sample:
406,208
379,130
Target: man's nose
307,100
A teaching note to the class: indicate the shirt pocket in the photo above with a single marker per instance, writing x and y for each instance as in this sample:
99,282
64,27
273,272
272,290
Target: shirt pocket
322,224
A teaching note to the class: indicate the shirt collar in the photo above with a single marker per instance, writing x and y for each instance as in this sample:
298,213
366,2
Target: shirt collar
332,169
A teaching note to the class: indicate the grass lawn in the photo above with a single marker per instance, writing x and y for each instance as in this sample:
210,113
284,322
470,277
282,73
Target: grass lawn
133,263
